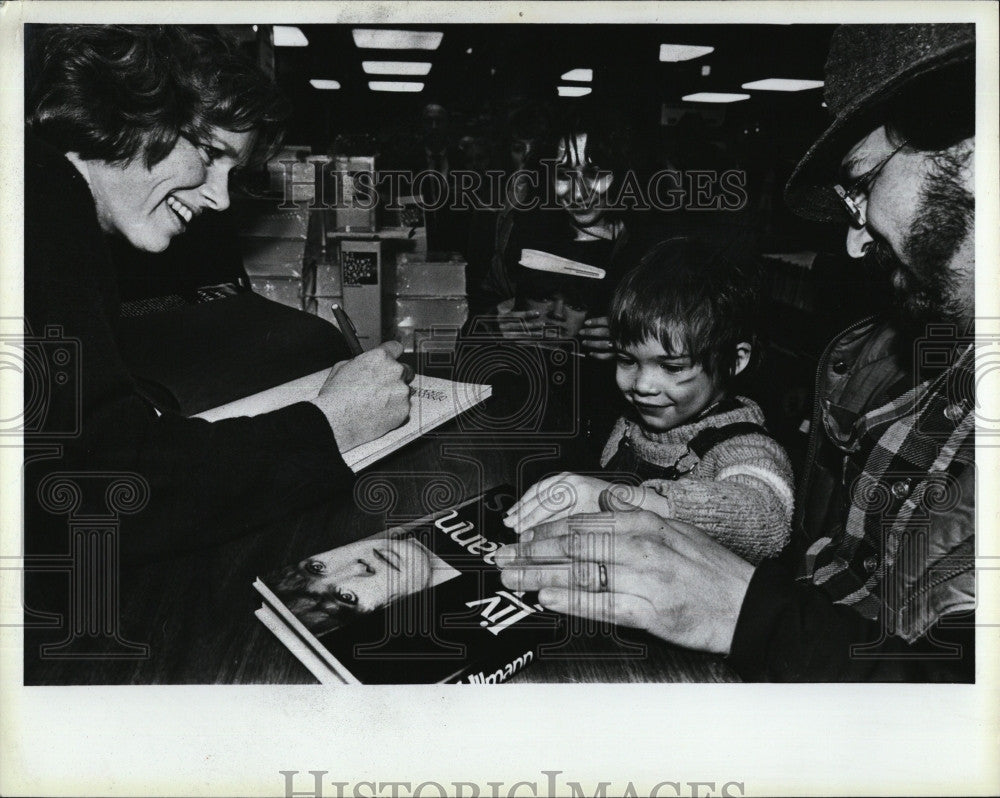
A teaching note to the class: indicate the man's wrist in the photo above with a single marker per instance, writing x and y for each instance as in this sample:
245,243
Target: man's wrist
766,598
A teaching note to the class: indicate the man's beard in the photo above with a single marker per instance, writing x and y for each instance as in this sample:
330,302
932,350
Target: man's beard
928,290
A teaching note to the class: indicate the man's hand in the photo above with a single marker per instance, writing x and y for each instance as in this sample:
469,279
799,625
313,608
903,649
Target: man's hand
665,576
595,335
365,397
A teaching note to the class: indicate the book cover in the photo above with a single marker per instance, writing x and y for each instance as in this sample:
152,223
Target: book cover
417,604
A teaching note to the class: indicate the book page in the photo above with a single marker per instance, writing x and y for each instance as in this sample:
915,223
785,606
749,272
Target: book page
433,401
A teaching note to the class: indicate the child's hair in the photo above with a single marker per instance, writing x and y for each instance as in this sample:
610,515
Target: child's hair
689,293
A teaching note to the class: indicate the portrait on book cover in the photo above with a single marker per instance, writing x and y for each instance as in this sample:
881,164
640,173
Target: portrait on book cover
329,589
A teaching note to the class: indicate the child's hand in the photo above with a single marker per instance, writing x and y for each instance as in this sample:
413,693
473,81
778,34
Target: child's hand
595,335
555,497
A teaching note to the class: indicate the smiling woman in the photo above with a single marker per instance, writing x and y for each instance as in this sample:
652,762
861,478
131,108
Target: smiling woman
133,132
148,207
155,119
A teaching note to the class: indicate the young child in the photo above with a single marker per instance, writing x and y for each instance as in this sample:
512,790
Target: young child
682,323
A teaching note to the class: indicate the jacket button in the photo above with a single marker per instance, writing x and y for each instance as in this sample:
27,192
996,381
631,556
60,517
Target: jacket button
871,563
901,489
953,412
840,367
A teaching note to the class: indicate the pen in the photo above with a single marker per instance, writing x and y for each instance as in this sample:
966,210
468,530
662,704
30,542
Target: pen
347,328
351,336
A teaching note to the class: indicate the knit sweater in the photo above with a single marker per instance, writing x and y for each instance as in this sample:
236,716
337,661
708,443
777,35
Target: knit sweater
741,493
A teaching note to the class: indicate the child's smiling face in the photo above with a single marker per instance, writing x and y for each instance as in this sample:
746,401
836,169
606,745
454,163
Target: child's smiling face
666,389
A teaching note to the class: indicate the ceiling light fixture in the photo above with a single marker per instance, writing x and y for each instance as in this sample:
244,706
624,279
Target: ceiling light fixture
714,97
321,83
394,85
379,39
579,75
289,36
396,67
782,84
683,52
573,91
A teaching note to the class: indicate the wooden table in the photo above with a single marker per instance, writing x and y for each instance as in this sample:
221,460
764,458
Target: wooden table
196,613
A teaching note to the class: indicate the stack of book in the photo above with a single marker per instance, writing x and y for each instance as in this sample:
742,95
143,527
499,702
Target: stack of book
422,603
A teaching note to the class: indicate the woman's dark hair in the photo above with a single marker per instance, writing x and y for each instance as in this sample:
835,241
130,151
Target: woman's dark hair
610,137
689,293
113,92
614,144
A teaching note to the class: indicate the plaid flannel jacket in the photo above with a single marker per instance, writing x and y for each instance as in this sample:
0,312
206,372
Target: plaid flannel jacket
896,532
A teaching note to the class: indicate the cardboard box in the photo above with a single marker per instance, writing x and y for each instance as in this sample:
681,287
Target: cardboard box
328,282
290,173
410,320
414,276
263,218
350,186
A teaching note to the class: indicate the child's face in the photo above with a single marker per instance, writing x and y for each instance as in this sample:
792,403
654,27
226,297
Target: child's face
666,390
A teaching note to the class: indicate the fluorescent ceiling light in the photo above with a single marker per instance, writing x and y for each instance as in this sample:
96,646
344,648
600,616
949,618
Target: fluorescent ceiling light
683,52
573,91
319,83
394,85
375,39
714,97
782,84
579,75
396,67
289,36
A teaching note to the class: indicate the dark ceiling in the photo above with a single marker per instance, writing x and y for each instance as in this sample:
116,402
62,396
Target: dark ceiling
527,60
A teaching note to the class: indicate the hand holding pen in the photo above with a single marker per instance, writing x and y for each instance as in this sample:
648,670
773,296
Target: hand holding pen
367,396
351,336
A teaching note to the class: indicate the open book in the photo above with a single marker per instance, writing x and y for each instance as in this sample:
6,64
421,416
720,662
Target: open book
433,401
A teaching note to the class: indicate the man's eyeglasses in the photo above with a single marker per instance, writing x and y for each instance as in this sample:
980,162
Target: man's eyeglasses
853,195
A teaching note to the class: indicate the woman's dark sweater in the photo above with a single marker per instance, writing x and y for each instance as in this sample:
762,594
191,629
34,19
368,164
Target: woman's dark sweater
206,481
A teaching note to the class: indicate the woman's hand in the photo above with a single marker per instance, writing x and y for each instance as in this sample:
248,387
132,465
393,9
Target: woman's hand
634,568
365,397
595,335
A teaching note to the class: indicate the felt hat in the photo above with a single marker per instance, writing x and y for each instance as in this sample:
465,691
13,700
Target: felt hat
868,66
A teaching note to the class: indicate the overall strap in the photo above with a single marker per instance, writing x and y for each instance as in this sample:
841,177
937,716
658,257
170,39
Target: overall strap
710,437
